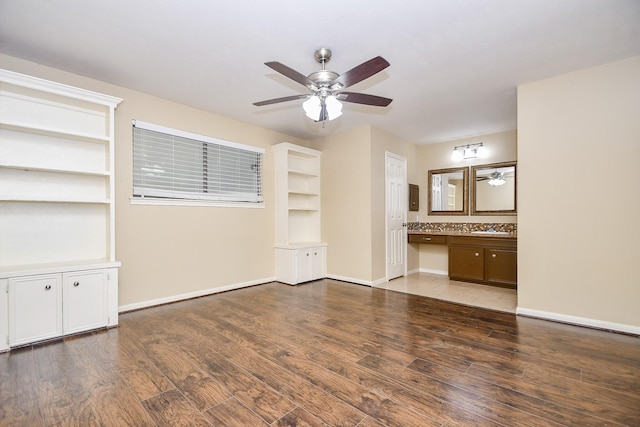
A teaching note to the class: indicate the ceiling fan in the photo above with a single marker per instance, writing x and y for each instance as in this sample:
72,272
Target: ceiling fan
327,87
495,178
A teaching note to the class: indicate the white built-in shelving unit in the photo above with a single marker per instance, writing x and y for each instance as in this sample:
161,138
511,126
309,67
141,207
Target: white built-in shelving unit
300,253
58,271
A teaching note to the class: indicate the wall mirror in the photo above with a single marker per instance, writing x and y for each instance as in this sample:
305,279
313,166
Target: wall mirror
493,189
448,191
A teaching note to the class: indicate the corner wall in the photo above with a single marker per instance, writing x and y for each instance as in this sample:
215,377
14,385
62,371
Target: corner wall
353,201
578,174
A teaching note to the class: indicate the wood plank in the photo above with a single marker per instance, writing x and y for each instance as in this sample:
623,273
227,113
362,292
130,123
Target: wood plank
316,401
475,403
434,406
172,409
232,413
116,405
253,393
300,418
19,401
362,398
139,372
202,390
509,395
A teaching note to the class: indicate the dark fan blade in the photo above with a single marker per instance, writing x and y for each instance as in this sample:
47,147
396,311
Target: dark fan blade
363,98
361,72
292,74
283,99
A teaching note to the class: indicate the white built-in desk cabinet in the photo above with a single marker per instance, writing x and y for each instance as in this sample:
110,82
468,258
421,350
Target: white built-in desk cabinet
58,272
299,253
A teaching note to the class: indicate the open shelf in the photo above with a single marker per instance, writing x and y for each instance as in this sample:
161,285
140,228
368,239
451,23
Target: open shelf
28,168
54,200
50,131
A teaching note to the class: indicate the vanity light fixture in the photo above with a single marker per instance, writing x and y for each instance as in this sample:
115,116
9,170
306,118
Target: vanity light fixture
469,151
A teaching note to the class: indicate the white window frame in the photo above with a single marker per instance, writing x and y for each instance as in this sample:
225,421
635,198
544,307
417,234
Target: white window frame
159,196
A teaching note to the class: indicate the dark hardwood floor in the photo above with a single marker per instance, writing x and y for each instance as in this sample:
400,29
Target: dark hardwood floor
325,353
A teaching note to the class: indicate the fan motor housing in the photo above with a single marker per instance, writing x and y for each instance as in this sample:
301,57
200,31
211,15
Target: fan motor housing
323,77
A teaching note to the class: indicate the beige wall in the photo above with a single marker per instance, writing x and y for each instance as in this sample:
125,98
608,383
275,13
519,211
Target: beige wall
353,201
578,177
501,147
168,251
346,203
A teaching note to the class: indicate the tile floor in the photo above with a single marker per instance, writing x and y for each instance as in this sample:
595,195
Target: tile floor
440,287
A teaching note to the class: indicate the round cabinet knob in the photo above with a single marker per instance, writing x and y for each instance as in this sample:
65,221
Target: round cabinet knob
76,283
477,254
493,255
47,287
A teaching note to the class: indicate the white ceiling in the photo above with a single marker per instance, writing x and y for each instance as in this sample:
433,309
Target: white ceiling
455,64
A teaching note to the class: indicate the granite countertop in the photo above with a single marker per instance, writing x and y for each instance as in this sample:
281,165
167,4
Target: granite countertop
500,235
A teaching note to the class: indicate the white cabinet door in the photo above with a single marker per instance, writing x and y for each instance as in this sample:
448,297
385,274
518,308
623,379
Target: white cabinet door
35,308
84,300
303,265
318,263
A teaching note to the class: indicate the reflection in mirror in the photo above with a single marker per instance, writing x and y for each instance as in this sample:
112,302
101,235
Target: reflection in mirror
494,189
448,191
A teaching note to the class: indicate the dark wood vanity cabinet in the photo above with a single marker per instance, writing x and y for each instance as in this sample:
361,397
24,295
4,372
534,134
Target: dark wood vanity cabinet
466,263
492,261
501,267
433,239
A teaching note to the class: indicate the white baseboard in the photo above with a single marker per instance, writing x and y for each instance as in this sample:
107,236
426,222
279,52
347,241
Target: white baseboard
189,295
580,321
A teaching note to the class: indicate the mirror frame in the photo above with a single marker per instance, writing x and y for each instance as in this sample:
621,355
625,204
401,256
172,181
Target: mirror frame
465,191
474,171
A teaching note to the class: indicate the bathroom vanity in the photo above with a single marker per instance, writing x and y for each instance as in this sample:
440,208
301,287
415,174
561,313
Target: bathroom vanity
484,257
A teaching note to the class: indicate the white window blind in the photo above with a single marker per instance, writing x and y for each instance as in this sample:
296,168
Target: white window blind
173,164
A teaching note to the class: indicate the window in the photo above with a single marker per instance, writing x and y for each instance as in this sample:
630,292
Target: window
170,164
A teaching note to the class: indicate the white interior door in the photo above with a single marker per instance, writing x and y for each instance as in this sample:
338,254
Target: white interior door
396,215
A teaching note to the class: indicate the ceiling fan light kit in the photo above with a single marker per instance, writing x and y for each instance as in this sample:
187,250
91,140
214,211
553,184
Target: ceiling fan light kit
497,179
324,102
